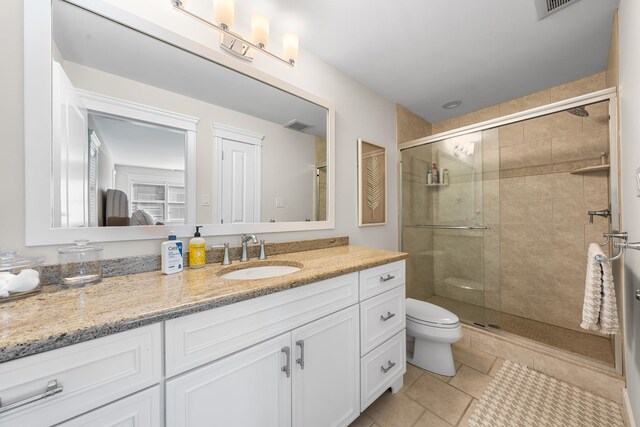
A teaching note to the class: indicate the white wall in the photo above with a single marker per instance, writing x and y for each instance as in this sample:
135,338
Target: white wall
360,113
288,172
630,153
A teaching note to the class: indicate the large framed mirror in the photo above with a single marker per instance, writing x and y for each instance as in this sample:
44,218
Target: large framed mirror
132,130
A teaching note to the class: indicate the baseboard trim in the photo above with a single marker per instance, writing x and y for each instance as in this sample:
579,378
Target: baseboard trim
626,409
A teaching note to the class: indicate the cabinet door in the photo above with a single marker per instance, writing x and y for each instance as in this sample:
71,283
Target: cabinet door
250,388
326,371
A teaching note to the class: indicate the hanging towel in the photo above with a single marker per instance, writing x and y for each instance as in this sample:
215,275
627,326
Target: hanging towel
600,310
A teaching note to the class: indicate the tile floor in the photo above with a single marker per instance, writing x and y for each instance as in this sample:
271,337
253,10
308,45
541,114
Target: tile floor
430,400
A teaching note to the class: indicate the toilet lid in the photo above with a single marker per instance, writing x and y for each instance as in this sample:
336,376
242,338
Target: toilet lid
424,312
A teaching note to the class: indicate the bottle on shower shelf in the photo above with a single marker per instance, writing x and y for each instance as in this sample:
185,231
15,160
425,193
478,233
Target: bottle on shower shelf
429,177
434,172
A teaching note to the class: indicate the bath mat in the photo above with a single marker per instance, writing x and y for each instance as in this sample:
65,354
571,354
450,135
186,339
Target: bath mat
521,397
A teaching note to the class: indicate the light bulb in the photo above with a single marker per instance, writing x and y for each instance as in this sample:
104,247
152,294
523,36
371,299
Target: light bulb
223,10
260,30
290,47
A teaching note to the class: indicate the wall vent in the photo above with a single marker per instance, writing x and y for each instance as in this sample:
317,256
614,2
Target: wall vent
297,125
546,8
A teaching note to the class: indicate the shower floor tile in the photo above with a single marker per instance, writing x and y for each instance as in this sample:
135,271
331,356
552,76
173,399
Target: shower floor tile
593,347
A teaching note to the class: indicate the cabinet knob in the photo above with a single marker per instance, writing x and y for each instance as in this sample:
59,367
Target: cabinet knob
386,279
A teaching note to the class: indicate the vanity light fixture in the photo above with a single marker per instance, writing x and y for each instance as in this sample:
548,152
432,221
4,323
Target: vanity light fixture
237,45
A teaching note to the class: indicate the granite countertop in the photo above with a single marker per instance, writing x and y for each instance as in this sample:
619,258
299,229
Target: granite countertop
57,318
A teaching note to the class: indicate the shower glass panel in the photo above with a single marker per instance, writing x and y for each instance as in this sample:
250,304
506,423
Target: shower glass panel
503,243
450,224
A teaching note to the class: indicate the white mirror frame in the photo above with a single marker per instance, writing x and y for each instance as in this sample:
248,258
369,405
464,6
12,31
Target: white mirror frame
38,122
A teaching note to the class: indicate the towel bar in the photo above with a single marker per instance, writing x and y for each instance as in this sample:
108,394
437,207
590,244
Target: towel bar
622,246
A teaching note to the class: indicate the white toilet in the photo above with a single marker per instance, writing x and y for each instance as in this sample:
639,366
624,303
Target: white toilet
434,330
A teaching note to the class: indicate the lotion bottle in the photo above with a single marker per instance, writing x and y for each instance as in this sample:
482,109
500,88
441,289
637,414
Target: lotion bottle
197,250
171,254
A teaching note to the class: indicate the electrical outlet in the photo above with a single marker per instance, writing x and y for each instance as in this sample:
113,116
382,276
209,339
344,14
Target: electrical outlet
280,202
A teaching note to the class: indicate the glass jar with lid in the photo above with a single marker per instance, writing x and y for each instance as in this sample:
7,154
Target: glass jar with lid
19,275
80,264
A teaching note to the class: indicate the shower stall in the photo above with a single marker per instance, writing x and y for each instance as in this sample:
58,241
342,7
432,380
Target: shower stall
501,238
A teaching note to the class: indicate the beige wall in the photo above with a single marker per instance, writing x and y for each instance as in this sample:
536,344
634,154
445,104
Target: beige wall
410,126
579,87
544,229
613,64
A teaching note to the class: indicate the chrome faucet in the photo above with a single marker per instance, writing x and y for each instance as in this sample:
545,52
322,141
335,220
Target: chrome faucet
606,213
245,240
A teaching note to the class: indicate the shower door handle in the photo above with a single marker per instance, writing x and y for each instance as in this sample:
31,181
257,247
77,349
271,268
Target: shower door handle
638,294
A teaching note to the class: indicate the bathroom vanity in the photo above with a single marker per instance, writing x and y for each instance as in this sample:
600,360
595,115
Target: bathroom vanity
311,348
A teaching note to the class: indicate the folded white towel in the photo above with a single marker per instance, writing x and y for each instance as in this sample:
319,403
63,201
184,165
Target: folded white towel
600,311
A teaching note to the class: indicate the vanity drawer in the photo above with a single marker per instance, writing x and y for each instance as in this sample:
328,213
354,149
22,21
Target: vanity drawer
380,368
196,339
381,317
90,374
380,279
139,410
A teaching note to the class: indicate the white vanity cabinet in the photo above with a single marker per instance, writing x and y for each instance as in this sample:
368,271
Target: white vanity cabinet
52,387
306,377
382,335
314,355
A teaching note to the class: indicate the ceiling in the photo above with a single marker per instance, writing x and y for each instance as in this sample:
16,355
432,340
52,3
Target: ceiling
133,143
424,53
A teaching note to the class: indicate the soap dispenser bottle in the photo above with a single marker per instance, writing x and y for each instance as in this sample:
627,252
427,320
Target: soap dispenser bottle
171,254
197,250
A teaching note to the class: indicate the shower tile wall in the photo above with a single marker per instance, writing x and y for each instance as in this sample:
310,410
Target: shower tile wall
544,229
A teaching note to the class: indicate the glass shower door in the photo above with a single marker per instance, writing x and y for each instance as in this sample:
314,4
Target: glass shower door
450,225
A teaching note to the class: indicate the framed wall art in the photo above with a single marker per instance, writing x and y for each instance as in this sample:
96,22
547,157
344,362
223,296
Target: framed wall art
372,184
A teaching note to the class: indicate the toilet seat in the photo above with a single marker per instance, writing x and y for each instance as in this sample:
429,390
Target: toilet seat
428,314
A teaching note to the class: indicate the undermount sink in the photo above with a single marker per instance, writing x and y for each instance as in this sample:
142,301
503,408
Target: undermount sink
252,272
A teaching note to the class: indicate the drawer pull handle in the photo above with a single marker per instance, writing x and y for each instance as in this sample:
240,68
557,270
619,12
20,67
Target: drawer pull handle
287,368
52,388
388,368
389,316
386,279
300,361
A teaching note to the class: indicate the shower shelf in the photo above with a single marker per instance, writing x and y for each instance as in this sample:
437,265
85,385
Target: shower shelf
436,185
590,169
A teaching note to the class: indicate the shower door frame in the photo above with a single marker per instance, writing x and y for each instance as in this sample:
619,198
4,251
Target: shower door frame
609,94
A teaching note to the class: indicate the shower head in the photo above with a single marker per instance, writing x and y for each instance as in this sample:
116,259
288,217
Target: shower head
578,111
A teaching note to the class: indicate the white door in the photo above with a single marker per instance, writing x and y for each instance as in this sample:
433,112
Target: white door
248,389
326,371
70,153
240,188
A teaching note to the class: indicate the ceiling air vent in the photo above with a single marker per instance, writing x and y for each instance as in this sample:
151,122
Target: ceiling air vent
546,8
297,125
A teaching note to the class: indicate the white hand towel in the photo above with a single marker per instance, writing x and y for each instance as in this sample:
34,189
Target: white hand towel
600,311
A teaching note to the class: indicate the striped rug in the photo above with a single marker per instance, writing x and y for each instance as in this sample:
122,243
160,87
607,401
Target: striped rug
521,397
